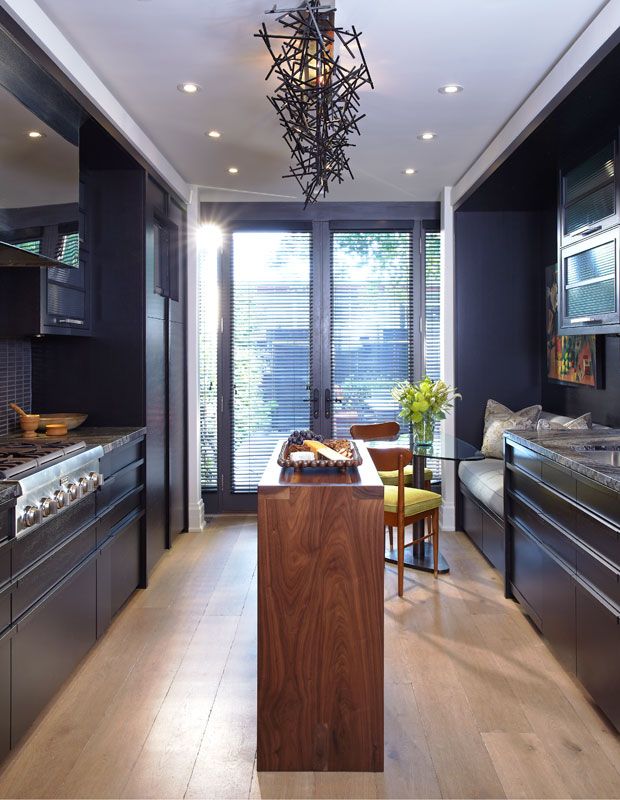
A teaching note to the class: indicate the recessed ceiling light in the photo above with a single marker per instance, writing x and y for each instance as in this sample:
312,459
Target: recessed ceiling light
427,136
214,134
233,170
188,87
409,171
35,135
450,88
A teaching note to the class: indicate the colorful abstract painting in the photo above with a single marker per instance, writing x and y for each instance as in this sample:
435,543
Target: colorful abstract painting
570,359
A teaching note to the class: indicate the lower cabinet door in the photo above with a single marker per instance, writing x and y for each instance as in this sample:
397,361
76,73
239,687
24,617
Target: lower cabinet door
598,653
558,611
493,541
527,566
49,643
125,550
104,588
5,695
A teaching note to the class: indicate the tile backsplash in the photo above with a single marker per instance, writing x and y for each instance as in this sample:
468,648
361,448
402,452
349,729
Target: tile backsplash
15,381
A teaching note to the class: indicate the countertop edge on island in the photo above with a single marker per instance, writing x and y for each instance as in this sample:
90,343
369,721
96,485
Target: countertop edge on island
109,438
551,444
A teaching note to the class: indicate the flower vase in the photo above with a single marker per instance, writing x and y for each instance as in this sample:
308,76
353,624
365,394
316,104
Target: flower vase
424,431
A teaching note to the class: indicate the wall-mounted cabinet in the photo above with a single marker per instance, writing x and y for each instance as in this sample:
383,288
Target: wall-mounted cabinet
588,239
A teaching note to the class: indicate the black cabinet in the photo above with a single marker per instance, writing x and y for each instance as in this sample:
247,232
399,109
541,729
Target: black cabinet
5,693
589,270
50,641
564,567
598,652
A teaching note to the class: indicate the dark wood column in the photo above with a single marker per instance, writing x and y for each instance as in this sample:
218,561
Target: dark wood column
320,619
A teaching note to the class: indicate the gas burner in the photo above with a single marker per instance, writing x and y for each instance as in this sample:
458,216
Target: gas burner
17,457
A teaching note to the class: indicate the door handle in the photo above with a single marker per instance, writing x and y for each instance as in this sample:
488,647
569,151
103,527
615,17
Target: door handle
315,400
328,403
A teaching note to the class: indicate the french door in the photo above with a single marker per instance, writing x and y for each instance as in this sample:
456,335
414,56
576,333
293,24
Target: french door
317,324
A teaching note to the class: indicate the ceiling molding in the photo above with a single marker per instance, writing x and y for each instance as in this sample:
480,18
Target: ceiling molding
588,49
33,20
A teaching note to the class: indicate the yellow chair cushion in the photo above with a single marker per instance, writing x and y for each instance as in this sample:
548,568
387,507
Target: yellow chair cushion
390,478
416,500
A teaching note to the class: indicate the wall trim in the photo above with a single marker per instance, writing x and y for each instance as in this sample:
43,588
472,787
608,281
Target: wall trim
599,37
196,513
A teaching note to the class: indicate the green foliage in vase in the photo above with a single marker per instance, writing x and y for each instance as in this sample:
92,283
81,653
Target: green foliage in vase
426,398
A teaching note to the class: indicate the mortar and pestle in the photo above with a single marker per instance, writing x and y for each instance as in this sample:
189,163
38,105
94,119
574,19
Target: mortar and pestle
27,422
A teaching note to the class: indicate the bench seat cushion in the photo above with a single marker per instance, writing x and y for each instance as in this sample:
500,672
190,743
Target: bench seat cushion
485,481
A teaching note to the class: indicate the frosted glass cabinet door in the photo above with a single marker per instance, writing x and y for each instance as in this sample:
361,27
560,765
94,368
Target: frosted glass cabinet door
588,285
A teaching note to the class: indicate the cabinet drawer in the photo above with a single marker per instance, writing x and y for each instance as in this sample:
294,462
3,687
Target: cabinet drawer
538,495
543,530
598,653
602,577
50,642
34,584
119,485
525,459
121,457
600,499
33,546
527,562
597,535
132,502
125,560
561,479
6,518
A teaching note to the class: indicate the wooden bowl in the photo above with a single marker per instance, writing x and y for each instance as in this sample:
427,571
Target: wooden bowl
56,430
29,424
70,421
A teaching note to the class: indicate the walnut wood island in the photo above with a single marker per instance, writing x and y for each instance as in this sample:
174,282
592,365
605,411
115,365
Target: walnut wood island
320,619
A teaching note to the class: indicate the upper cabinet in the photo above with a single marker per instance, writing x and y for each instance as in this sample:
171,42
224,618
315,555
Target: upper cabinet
588,243
589,196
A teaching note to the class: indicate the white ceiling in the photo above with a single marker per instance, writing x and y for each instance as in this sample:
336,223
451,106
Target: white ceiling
497,49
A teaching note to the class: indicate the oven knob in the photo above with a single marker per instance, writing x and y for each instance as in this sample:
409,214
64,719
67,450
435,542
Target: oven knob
47,506
31,516
60,498
73,491
84,485
95,479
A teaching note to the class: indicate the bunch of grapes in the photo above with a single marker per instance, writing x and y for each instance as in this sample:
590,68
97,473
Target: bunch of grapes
298,437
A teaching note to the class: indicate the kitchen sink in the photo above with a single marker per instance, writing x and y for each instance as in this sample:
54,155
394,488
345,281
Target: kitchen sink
608,454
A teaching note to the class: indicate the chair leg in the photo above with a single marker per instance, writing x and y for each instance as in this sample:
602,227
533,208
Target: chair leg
435,528
400,534
391,532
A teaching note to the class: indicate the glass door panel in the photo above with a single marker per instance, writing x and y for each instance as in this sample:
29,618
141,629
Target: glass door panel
371,324
270,347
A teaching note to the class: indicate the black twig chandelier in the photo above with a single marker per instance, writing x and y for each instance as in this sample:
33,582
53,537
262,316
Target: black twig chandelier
317,97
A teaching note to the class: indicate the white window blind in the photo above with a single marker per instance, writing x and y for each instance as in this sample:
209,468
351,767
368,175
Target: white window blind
372,315
208,324
270,346
432,316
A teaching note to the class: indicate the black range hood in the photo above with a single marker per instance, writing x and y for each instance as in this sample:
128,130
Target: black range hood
12,256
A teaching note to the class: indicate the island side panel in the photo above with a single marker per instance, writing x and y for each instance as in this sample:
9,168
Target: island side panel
320,628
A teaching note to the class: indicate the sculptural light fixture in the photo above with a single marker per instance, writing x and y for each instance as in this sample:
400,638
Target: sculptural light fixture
317,96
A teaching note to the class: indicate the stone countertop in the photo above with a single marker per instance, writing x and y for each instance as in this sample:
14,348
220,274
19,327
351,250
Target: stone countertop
8,492
559,446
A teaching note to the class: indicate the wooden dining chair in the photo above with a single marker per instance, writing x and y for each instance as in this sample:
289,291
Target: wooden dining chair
403,506
384,431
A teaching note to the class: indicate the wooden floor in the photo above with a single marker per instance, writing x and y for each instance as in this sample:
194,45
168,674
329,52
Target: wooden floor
164,706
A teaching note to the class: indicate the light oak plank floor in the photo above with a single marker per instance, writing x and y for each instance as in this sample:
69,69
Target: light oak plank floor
165,705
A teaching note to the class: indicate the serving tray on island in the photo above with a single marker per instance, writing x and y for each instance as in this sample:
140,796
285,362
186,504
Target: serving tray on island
320,463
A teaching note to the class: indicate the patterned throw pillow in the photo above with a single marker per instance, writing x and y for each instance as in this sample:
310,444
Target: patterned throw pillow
582,423
499,418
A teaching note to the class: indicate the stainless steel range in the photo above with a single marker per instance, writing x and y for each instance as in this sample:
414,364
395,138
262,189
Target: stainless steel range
51,475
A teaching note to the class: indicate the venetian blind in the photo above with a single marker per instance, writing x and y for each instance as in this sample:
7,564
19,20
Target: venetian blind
270,317
372,324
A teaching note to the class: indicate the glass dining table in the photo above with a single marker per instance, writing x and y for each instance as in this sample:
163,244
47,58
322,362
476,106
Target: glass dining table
444,448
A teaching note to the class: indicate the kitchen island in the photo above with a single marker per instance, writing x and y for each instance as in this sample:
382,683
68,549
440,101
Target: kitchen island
563,549
320,618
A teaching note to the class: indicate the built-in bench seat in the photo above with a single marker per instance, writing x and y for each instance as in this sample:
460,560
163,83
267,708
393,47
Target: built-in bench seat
482,502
